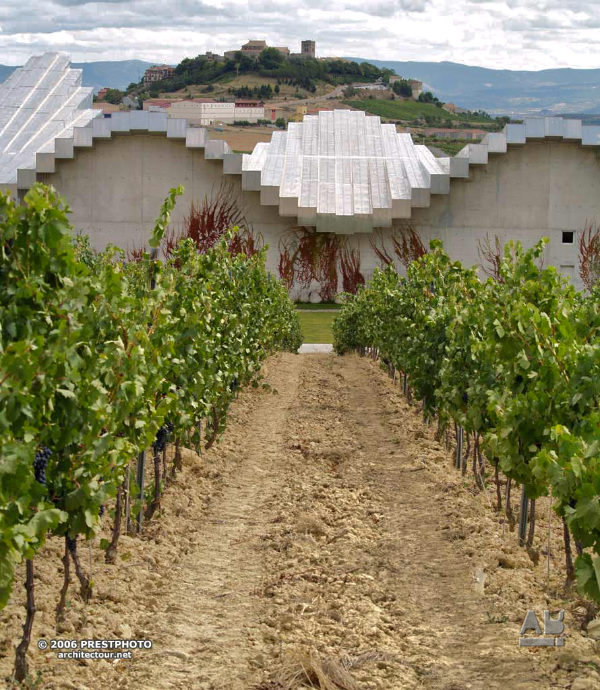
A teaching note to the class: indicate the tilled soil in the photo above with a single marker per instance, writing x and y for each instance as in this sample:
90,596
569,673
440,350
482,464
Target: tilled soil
326,541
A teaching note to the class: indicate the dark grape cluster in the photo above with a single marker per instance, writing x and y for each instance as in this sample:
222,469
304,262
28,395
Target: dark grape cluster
162,436
39,464
101,511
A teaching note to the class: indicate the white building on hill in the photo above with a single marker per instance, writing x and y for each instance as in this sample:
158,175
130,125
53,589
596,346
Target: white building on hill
338,171
206,111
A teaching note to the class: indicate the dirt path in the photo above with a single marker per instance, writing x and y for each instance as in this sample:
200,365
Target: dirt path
326,531
211,608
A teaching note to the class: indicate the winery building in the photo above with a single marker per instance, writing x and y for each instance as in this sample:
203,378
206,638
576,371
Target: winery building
340,172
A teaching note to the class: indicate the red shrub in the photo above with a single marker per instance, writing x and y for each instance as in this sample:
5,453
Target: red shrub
589,255
350,268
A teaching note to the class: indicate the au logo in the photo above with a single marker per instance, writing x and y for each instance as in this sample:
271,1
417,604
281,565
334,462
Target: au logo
552,626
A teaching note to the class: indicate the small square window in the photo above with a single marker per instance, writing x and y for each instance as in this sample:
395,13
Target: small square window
568,237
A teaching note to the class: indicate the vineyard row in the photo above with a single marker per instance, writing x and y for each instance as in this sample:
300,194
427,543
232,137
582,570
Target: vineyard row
512,365
101,359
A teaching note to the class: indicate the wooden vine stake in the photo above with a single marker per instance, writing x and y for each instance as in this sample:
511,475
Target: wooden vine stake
141,471
21,665
84,582
111,552
154,506
568,554
66,561
523,510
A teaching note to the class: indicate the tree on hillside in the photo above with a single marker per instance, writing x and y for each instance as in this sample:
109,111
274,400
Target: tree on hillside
114,96
402,88
270,58
428,97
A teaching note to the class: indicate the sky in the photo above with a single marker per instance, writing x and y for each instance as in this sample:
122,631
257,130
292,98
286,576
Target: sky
508,34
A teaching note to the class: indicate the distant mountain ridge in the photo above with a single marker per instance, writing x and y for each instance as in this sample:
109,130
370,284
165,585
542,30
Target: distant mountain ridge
117,74
550,91
547,92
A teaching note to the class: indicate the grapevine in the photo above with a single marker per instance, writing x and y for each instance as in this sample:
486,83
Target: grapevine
514,361
101,359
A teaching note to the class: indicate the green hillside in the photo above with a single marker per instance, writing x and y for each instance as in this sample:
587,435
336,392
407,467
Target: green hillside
409,111
304,73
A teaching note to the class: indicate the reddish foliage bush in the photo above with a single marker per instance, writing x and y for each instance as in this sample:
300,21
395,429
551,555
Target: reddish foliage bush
408,247
589,255
378,246
208,222
135,254
314,258
286,264
491,257
350,269
328,248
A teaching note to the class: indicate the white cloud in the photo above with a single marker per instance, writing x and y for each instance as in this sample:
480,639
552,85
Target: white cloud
514,34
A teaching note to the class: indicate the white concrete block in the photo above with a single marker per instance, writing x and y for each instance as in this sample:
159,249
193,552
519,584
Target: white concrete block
459,167
63,147
139,120
535,128
421,198
157,122
515,134
307,215
214,149
553,127
119,122
590,135
195,138
572,129
251,180
478,154
288,207
401,208
101,128
26,178
232,164
176,128
45,162
269,196
83,136
496,142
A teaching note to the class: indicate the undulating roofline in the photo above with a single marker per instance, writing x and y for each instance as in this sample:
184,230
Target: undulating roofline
340,171
41,104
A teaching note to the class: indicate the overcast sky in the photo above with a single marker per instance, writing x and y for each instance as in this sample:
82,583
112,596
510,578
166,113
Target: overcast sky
512,34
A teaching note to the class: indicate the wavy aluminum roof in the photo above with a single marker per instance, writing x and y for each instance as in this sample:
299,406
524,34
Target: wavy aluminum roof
344,171
40,103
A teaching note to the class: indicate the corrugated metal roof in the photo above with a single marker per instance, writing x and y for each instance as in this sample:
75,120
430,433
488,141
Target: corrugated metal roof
40,102
339,164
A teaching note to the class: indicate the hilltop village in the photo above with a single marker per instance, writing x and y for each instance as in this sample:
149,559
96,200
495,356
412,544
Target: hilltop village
245,93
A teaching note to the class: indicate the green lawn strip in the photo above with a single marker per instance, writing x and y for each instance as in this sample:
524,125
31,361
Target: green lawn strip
311,306
316,326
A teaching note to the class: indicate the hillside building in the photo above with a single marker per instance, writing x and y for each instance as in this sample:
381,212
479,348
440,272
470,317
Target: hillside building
308,49
415,85
254,48
158,73
207,111
339,171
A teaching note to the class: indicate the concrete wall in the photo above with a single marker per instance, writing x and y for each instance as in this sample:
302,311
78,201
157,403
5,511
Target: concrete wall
116,188
539,189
